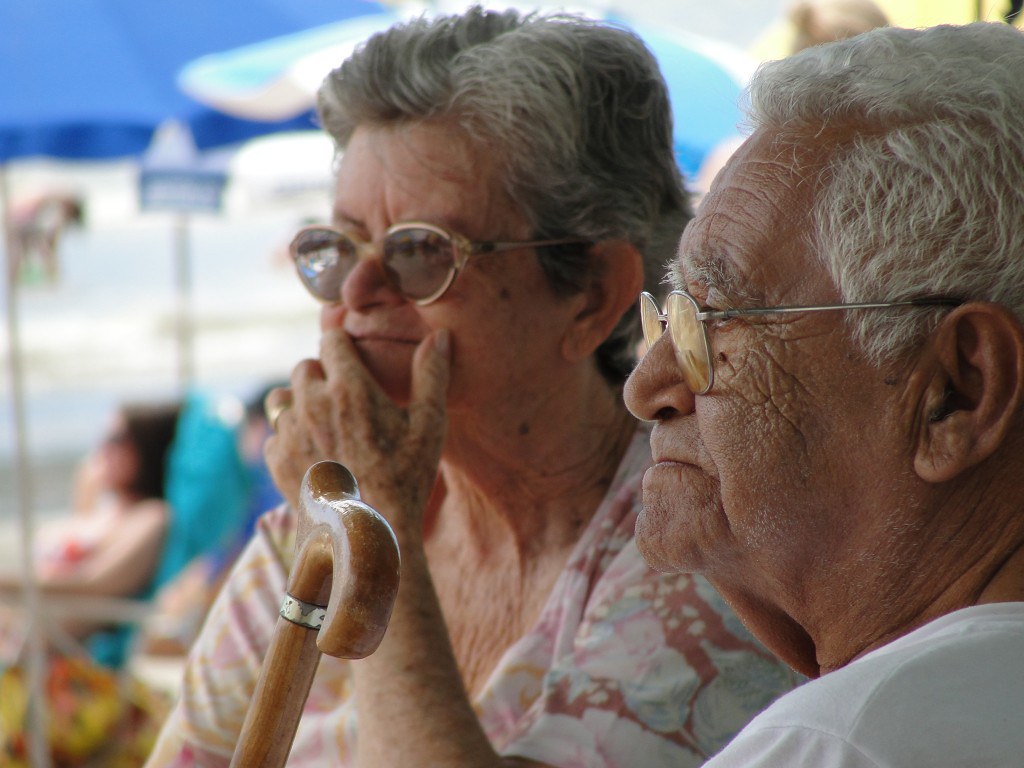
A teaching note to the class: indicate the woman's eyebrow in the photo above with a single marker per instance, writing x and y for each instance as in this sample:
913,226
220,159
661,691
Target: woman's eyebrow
340,216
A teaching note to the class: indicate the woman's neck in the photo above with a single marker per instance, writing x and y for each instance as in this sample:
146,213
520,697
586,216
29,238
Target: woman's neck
539,477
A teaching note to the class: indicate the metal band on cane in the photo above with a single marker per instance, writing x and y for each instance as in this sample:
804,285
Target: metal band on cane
304,614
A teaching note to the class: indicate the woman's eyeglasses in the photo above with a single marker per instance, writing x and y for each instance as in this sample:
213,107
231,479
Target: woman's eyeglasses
685,321
420,261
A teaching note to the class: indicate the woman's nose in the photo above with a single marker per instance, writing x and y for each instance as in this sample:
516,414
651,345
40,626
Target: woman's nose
656,390
366,285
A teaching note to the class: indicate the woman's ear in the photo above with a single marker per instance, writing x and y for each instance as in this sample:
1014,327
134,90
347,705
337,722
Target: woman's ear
975,390
613,285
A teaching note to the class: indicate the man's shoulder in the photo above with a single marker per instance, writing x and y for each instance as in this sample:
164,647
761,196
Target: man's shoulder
942,691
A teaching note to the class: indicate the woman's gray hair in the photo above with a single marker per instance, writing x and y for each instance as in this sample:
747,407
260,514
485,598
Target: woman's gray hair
922,189
576,111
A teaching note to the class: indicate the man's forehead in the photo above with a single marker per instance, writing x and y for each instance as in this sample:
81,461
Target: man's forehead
750,227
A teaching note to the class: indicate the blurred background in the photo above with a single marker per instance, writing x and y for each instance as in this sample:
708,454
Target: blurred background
106,330
119,321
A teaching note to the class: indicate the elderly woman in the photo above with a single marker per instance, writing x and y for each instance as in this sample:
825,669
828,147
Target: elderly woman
503,182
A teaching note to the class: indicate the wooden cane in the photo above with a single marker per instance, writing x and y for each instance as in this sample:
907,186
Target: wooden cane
339,597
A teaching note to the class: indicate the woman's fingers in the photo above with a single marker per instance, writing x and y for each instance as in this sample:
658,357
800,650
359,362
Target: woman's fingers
338,355
287,467
336,410
276,454
277,401
289,451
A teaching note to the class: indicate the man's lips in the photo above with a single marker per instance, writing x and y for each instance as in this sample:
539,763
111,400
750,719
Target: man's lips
679,451
660,456
662,461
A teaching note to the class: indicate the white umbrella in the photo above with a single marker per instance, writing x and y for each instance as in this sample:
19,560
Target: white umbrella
278,78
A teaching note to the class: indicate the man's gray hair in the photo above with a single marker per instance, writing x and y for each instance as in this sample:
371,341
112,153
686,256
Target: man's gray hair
576,111
922,189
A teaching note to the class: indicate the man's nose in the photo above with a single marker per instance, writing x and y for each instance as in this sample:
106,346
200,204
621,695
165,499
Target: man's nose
656,390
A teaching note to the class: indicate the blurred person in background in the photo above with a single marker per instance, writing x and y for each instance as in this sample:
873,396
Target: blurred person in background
506,185
107,547
37,224
808,23
111,543
824,21
182,603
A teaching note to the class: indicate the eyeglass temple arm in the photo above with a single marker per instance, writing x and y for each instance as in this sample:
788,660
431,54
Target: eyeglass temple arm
723,314
492,247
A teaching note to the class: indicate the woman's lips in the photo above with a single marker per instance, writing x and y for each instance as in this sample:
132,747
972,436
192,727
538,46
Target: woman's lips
381,338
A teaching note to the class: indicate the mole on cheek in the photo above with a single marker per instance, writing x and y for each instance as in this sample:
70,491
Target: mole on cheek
524,428
504,294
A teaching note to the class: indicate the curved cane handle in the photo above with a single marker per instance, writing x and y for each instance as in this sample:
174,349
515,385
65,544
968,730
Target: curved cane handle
339,598
351,550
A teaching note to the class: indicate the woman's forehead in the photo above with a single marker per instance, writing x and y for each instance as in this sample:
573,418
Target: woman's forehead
418,151
422,172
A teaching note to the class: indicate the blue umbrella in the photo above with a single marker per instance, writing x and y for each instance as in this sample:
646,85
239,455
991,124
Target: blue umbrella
277,79
705,81
93,78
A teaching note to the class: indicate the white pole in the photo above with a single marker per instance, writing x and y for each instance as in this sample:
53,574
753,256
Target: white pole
37,724
184,321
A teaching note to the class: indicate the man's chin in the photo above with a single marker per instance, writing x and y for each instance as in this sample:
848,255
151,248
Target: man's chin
662,545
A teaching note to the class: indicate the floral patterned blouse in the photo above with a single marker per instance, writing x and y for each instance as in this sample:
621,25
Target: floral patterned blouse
625,666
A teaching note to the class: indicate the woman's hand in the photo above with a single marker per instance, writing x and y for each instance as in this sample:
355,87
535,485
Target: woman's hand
338,411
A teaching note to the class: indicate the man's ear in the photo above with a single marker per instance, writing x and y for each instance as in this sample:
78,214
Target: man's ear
975,390
615,281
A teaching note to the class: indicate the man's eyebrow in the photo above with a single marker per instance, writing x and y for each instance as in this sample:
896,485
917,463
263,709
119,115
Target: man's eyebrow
703,271
709,273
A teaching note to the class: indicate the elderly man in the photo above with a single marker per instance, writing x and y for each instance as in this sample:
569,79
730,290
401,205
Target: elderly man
839,400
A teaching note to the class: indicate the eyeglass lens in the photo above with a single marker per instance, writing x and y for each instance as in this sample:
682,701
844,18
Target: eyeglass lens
417,261
685,333
323,259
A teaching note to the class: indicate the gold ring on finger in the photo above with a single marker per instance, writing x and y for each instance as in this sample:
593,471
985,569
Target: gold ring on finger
274,413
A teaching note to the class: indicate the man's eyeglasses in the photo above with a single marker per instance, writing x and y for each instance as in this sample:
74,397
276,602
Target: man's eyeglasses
685,321
418,260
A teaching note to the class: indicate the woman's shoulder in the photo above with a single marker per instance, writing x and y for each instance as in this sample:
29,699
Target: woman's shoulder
152,514
621,503
635,460
151,508
275,534
609,535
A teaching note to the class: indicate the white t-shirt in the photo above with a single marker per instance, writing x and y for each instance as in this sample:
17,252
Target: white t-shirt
948,694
